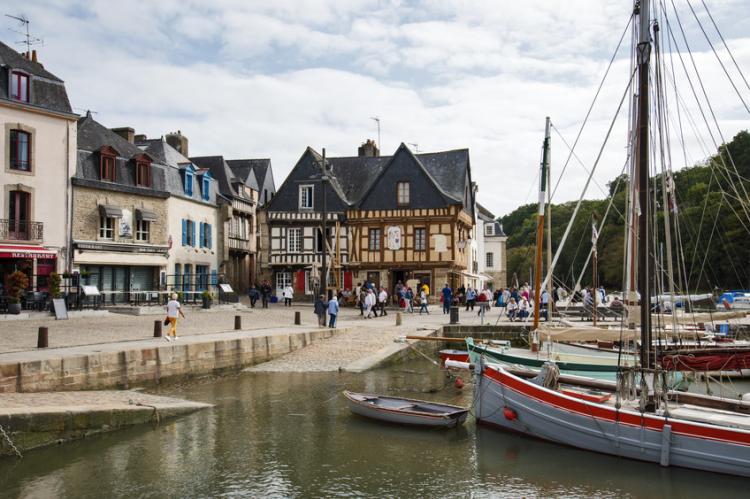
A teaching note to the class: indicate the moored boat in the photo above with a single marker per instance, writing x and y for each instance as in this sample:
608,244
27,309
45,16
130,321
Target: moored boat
406,411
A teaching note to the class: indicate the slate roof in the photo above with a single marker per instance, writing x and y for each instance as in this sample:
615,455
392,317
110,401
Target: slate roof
47,90
485,213
488,217
92,136
244,170
224,176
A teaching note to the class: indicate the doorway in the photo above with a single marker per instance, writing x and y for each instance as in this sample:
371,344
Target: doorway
374,277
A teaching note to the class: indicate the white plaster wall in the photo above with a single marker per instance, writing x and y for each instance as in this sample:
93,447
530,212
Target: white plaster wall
179,208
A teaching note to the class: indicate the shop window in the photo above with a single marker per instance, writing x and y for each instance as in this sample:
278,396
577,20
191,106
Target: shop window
142,228
20,150
106,228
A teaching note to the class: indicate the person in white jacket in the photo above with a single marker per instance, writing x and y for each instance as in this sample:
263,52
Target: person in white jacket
288,294
369,303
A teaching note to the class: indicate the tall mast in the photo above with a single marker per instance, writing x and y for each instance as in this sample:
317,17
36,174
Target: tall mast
642,173
543,168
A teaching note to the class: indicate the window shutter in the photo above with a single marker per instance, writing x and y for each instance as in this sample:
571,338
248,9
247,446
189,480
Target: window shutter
184,232
192,239
202,232
210,234
214,278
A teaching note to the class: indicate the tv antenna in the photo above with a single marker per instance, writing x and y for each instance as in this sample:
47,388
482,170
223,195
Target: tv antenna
29,40
376,119
416,146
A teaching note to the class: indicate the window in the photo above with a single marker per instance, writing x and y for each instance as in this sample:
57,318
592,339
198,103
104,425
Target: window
141,230
19,86
204,235
106,228
186,281
489,260
188,232
402,193
283,279
306,197
294,240
420,239
201,274
188,183
206,188
374,240
20,150
489,229
143,173
107,168
19,208
319,238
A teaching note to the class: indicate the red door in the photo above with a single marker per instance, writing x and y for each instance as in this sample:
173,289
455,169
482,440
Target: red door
299,282
348,279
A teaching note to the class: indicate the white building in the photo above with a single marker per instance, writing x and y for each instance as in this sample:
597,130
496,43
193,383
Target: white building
39,157
492,254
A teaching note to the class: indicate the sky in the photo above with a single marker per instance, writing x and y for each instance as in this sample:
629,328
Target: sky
266,79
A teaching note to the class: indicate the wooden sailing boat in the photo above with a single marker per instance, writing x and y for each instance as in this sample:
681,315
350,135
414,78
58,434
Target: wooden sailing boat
646,424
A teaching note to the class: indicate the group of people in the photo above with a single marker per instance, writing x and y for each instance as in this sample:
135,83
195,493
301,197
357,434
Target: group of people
263,293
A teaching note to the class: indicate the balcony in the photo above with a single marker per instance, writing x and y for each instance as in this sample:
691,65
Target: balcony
21,230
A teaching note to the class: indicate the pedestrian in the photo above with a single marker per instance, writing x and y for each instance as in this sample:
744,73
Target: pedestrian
409,297
288,294
523,308
265,292
173,311
333,311
447,299
357,301
461,294
399,289
512,309
253,294
544,305
382,299
320,310
471,298
370,301
423,301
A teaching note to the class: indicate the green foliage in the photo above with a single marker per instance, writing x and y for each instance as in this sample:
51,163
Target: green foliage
54,284
713,226
17,284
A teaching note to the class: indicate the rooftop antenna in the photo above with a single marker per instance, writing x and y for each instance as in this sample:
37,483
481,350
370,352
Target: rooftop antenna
416,146
29,40
376,119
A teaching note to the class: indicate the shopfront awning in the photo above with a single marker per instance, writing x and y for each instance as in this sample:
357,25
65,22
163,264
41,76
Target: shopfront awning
481,277
110,211
26,251
145,215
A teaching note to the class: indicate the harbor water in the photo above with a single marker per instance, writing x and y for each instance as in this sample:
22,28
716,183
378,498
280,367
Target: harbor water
292,435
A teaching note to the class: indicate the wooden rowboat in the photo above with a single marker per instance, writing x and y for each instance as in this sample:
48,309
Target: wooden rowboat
406,411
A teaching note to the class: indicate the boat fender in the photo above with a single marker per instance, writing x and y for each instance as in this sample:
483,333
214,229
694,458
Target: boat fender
459,383
510,414
746,397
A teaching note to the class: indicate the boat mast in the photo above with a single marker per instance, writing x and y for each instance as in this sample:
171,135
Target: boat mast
543,168
642,174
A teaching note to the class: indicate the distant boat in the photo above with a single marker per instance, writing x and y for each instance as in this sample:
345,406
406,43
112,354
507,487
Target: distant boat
406,411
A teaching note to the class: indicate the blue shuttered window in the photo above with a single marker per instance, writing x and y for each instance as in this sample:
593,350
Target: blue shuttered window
210,234
214,278
192,235
184,232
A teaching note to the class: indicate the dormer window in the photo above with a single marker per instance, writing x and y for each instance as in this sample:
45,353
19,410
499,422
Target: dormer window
19,86
402,194
489,230
206,187
143,173
188,182
306,197
107,163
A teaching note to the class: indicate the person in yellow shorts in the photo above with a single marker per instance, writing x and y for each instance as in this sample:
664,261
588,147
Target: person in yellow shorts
173,311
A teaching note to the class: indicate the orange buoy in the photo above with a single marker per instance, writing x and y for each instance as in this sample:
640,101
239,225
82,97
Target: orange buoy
510,414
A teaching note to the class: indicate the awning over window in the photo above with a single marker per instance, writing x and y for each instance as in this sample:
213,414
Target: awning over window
146,216
33,252
110,211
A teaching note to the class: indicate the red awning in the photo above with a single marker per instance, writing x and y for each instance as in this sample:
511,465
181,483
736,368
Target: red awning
25,251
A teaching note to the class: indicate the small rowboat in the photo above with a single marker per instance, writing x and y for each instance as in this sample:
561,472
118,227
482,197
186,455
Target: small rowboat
449,354
406,411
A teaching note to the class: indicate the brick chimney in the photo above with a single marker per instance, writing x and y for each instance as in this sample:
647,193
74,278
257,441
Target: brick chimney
178,141
126,133
368,149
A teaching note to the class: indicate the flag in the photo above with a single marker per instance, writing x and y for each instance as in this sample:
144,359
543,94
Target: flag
594,234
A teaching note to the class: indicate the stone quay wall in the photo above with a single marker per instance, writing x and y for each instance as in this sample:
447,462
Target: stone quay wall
152,364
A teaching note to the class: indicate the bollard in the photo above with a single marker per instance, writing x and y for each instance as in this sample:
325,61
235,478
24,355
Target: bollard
238,322
454,315
157,329
297,318
43,338
398,318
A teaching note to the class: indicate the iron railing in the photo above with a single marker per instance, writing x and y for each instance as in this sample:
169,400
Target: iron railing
21,230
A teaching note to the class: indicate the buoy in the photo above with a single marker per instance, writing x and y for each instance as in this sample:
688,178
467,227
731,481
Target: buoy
459,383
510,414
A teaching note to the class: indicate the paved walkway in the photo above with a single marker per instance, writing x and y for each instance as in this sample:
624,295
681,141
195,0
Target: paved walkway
45,402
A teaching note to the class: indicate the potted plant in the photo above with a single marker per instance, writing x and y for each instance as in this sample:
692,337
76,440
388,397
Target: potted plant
54,285
207,299
17,284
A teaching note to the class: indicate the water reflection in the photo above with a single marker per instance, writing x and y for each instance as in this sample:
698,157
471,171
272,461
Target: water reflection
291,435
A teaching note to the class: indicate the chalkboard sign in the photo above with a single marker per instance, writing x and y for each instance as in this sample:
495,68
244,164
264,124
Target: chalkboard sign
226,288
61,311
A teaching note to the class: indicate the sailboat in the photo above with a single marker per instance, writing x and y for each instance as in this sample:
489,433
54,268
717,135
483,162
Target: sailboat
640,419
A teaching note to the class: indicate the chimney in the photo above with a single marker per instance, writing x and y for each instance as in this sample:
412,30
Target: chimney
368,149
178,141
126,133
141,137
33,55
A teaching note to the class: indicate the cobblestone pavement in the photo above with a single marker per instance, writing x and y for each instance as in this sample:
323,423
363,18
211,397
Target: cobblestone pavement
21,335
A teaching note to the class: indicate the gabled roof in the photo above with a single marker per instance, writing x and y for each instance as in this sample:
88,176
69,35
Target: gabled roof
47,90
244,170
485,213
92,136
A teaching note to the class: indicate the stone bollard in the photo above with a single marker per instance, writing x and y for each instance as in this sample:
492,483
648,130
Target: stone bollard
43,338
297,318
238,322
454,315
398,318
157,329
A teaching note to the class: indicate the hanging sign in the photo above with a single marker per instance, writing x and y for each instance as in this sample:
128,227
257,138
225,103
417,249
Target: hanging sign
394,237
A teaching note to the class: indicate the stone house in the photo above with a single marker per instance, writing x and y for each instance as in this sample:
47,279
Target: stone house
120,234
38,153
